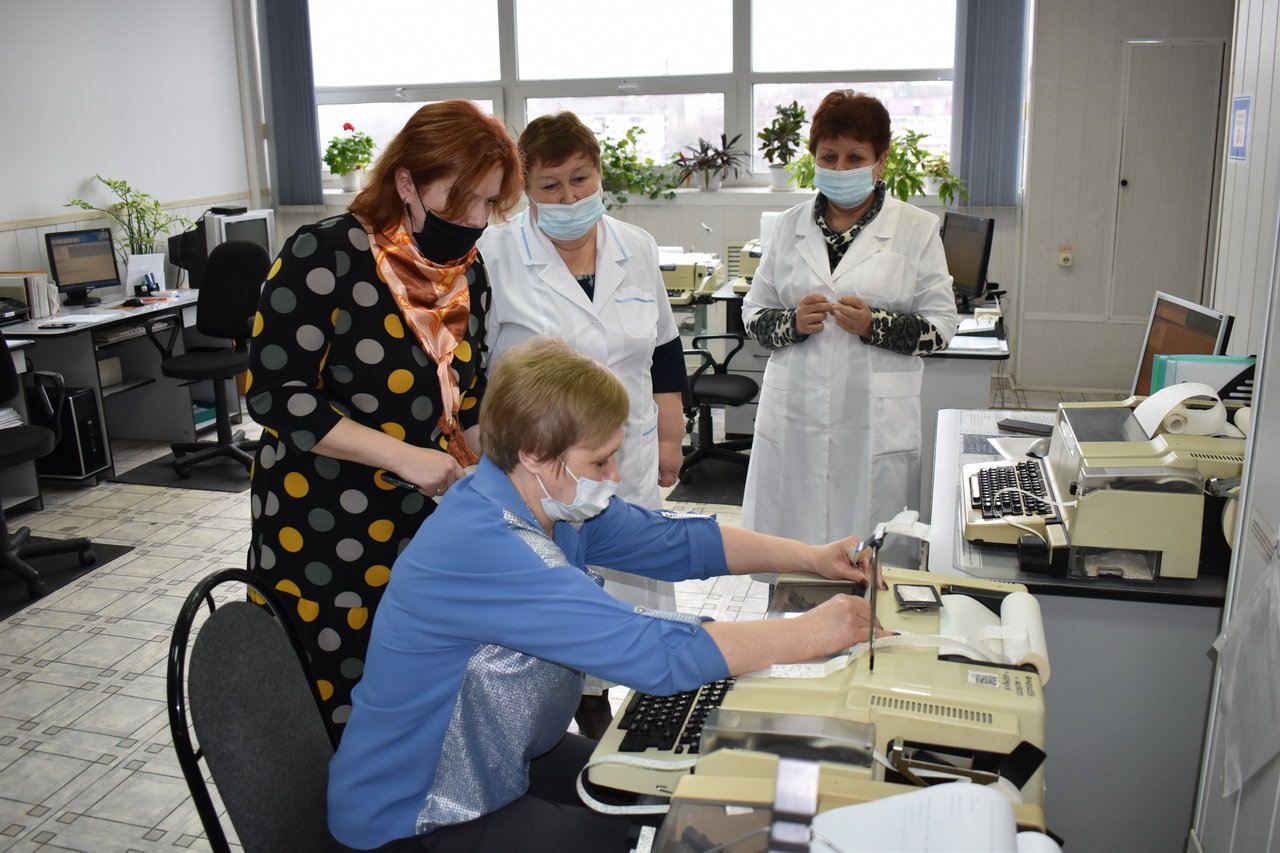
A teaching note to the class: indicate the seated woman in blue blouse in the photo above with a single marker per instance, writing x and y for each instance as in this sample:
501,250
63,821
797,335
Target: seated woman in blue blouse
456,739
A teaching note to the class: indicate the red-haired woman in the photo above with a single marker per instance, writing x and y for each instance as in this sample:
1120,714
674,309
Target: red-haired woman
366,362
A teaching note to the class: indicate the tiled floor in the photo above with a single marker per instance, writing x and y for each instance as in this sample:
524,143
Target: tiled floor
85,756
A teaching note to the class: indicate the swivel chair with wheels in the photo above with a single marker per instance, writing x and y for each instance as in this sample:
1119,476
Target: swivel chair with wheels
233,277
718,387
27,443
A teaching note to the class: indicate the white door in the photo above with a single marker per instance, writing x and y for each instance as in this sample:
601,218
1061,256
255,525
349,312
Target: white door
1168,149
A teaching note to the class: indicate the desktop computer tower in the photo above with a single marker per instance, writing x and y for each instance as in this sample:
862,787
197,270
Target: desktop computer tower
81,451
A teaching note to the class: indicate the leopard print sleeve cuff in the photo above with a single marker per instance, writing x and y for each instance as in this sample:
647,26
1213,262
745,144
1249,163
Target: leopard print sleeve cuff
774,328
908,334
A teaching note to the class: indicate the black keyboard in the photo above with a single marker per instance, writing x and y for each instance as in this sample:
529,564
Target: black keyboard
1004,490
672,723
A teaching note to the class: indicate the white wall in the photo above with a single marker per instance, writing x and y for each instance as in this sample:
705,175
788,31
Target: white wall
1251,188
1073,154
143,90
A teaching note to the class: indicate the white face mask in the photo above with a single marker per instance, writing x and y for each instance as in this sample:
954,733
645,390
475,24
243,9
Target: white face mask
845,187
589,499
570,221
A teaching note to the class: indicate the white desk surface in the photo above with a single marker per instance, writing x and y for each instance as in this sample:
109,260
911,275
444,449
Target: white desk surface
96,315
961,438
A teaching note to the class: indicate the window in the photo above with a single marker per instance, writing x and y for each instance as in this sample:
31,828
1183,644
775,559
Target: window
674,68
572,39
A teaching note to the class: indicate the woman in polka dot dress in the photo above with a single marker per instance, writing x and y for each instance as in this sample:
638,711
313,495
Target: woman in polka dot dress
366,369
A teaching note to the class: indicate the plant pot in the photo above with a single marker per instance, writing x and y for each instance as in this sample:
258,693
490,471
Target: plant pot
778,177
351,180
709,181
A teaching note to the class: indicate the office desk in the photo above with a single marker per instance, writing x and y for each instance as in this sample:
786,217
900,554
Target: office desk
19,486
144,404
959,377
1126,705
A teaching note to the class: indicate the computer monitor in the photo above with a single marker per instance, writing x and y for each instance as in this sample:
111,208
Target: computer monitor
966,239
253,226
1179,327
80,261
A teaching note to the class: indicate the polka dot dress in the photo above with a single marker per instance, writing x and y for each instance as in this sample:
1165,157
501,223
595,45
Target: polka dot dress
329,342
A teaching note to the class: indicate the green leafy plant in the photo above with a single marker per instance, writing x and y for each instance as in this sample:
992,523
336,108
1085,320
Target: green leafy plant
906,170
710,161
623,171
909,164
801,170
141,219
780,138
349,151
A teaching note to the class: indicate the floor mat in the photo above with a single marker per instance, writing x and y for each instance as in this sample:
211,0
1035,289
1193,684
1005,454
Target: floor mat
217,475
712,481
56,570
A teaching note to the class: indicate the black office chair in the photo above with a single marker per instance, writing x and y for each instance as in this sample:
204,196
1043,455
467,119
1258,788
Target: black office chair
233,277
716,388
246,692
27,443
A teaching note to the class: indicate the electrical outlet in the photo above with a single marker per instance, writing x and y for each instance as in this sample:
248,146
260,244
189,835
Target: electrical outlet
1065,252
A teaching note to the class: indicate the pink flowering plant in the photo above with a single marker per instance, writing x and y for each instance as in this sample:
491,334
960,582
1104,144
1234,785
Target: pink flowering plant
349,151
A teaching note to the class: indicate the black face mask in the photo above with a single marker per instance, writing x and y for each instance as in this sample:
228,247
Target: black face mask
442,241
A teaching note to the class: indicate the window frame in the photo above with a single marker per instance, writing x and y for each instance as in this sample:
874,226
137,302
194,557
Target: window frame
509,94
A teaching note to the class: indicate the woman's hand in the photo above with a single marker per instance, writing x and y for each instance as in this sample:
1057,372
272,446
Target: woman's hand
843,621
853,315
432,471
811,312
670,458
845,559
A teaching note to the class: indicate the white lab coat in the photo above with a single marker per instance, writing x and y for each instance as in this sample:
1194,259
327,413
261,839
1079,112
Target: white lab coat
837,434
535,294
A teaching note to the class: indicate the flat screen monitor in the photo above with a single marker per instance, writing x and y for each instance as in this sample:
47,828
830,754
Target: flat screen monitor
80,261
966,240
1179,327
252,226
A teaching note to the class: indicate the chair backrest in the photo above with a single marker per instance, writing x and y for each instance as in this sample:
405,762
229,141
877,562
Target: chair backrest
251,703
233,277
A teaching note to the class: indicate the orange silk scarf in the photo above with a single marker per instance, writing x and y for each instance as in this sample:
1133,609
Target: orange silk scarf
436,303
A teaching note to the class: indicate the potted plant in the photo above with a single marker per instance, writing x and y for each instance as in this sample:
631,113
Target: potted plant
623,171
348,154
142,223
780,141
711,163
911,168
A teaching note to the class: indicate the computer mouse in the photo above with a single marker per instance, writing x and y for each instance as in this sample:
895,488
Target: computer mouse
133,302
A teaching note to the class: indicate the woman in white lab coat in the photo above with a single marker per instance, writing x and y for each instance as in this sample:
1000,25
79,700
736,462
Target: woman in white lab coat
563,268
852,290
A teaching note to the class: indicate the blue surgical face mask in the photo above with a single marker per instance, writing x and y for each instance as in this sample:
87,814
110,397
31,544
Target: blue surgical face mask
570,221
845,187
589,499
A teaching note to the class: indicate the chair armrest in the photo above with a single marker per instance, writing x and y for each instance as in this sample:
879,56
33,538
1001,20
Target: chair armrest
723,366
707,361
166,348
51,396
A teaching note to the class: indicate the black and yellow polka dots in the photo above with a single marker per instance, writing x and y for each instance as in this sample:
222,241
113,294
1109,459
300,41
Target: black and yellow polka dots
330,343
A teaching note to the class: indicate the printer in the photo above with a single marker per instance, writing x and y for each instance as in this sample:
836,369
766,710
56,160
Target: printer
935,701
1116,501
748,262
690,276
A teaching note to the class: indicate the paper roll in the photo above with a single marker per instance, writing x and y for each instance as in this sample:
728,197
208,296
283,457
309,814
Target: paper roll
1015,636
1243,419
1164,411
